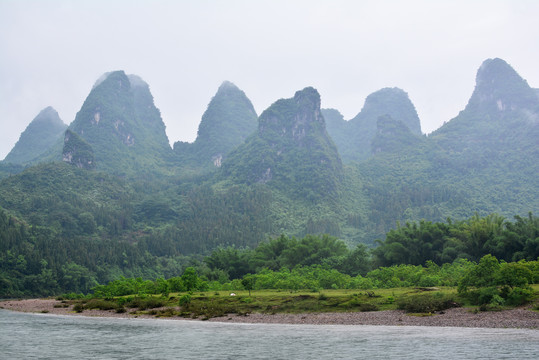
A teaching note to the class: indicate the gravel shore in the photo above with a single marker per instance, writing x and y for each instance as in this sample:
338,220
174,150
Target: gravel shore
523,318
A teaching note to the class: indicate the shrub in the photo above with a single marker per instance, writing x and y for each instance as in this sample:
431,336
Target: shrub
101,304
484,295
426,303
367,307
519,296
145,303
185,300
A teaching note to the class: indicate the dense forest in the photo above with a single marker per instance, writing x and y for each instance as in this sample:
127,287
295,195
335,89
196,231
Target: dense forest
36,261
294,188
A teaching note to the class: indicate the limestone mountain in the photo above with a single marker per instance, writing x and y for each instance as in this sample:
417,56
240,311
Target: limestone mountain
503,111
46,129
66,223
291,151
353,138
482,161
123,127
229,119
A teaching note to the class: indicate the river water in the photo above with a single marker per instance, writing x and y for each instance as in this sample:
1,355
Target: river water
44,336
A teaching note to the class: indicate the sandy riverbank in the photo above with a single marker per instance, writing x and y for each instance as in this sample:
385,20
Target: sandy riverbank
460,317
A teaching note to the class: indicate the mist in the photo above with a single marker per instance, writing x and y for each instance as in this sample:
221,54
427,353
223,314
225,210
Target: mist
53,52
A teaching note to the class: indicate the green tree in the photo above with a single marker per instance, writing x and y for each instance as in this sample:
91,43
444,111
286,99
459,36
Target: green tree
190,279
248,282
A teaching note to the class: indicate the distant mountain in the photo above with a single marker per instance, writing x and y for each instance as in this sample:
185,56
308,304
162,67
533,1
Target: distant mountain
291,151
229,119
502,105
485,160
123,127
353,138
40,135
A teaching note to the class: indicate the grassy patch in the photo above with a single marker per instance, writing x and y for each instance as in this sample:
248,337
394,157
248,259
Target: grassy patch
211,304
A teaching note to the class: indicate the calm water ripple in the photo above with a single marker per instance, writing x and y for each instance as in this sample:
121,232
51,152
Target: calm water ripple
43,336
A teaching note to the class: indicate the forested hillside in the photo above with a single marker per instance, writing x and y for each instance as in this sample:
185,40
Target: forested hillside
111,198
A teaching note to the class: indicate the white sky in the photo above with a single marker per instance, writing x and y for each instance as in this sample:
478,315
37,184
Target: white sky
52,52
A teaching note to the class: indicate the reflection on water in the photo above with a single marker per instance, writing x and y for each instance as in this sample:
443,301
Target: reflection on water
42,336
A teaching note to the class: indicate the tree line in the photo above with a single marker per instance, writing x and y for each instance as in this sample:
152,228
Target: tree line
37,261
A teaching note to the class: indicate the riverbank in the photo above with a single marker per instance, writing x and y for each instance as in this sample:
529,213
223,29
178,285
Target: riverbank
523,317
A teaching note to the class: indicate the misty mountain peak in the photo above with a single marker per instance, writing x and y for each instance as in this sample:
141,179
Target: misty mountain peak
393,102
354,137
227,85
136,81
49,114
229,119
293,118
39,136
308,99
500,88
120,122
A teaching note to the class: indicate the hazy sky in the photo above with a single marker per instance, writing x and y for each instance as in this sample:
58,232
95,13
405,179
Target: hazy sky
52,52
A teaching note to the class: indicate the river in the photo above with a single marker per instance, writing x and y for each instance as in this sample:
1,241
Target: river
45,336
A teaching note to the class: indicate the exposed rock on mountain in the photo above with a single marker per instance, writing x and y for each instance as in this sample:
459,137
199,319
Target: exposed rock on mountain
77,152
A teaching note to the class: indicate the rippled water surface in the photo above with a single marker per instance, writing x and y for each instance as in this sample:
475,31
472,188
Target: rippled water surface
43,336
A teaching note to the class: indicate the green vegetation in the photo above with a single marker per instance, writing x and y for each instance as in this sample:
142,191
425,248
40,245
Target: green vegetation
417,211
470,239
312,262
291,152
495,286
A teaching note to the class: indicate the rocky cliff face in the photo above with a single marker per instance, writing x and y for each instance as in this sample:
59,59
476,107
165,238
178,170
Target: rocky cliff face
291,150
40,135
77,152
